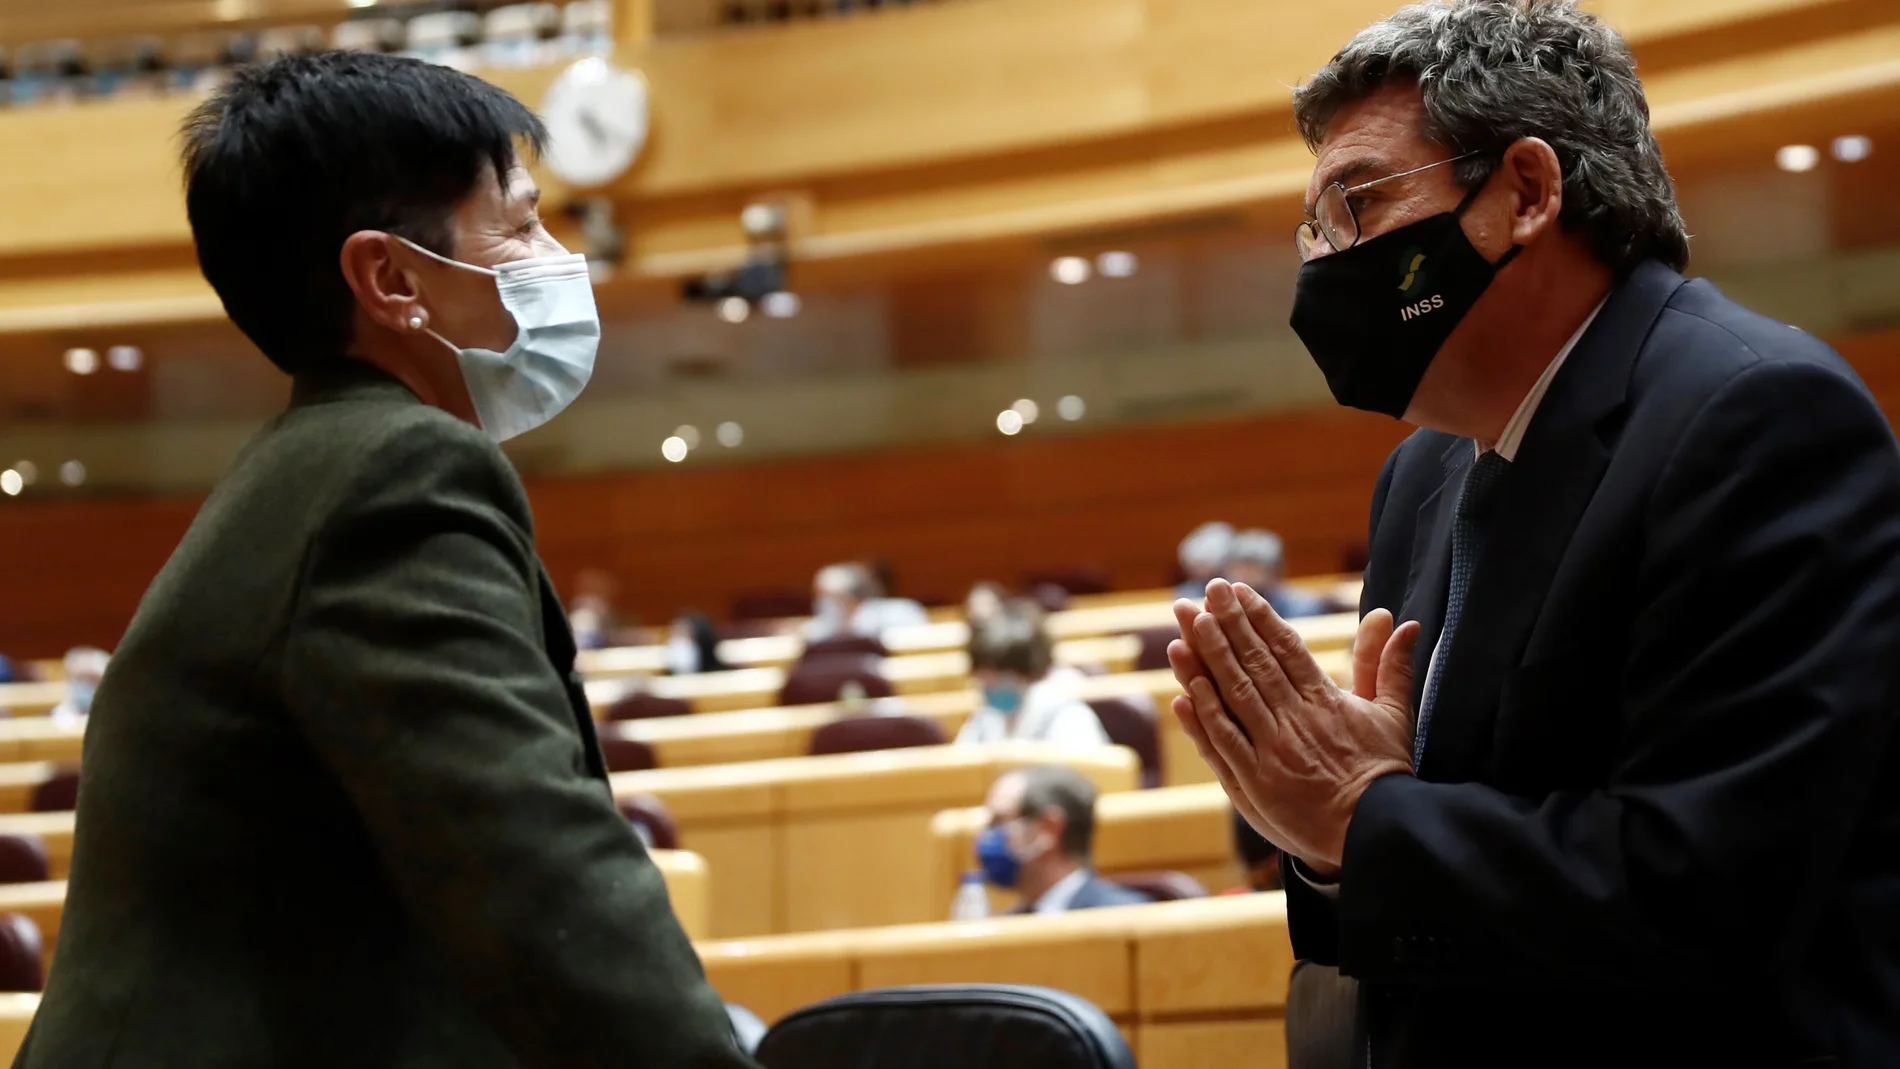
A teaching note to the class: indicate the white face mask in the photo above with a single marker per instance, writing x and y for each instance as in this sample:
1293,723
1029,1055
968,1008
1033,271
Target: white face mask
557,333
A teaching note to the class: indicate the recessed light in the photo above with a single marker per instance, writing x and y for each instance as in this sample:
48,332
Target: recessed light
1853,148
1117,264
1069,270
734,309
674,449
82,361
730,434
1071,408
1009,421
1797,158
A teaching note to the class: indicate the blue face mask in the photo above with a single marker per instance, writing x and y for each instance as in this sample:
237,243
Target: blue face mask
1003,698
1000,866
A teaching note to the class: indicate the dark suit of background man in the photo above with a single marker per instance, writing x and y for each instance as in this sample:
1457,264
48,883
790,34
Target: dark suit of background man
1645,548
343,804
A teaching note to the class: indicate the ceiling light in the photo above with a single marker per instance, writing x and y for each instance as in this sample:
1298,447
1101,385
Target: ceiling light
780,305
688,434
730,434
674,449
72,473
1853,148
82,361
125,357
10,482
1071,408
1026,409
1797,158
1009,421
734,309
29,472
1116,264
1069,270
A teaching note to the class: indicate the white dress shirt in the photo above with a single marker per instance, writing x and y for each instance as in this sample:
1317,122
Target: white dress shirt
1056,899
1506,447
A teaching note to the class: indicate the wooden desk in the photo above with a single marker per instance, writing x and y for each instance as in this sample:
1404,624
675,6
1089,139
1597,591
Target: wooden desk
771,734
31,699
1192,984
16,1016
686,874
810,843
1181,829
18,780
39,739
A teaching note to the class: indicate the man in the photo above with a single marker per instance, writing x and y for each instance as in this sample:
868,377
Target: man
1026,695
343,801
1201,555
1040,842
1646,546
847,600
1257,559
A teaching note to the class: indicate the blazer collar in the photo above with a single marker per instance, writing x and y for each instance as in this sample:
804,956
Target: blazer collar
345,378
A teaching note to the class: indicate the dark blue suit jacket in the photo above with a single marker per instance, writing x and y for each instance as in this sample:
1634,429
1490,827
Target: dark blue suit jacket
1657,820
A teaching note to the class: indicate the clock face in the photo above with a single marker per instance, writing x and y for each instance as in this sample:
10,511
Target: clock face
596,114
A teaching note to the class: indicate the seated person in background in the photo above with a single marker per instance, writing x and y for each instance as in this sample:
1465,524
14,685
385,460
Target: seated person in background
983,602
1259,859
846,600
1041,839
1255,558
1024,695
1203,552
591,612
693,646
85,666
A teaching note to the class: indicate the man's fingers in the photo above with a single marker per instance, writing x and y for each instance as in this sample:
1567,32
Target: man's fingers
1367,646
1184,711
1236,687
1227,741
1394,689
1184,613
1251,651
1288,649
1185,662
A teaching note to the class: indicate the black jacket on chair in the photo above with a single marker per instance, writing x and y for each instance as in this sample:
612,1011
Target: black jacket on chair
343,801
1657,819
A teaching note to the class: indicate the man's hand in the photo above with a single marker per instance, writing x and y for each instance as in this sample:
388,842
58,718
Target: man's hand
1292,750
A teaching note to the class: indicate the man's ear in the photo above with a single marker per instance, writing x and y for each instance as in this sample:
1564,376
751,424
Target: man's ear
1531,171
384,288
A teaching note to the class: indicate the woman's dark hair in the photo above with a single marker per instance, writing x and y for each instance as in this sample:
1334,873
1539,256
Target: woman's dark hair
706,637
1012,640
289,158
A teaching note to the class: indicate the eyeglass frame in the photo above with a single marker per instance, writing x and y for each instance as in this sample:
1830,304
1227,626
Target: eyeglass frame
1313,225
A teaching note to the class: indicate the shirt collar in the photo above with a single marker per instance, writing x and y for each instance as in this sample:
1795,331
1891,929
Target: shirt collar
1513,435
1056,899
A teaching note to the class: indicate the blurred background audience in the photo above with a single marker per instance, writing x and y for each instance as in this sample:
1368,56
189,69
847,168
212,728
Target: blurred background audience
1026,695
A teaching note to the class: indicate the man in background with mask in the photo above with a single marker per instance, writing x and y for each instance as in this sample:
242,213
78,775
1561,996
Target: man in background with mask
1040,842
1639,802
343,800
1026,695
847,600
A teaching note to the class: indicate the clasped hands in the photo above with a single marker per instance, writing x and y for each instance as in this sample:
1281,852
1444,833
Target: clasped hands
1292,750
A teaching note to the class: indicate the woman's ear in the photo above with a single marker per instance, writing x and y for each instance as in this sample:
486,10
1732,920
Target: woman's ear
384,288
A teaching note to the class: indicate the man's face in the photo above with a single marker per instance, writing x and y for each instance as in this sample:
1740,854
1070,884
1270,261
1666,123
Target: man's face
1374,138
1029,839
498,223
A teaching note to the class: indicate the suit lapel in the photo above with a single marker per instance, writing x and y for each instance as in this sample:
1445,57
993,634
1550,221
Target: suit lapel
1430,574
1538,504
558,639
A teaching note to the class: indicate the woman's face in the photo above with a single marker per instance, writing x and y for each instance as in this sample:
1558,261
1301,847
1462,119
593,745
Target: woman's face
500,222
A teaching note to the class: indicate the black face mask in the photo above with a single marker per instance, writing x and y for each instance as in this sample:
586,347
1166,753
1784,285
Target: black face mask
1375,315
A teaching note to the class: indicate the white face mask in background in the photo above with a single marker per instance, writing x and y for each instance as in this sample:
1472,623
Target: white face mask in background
557,334
682,656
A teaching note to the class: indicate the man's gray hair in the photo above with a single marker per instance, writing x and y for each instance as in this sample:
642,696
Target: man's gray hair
1494,71
1067,791
1257,547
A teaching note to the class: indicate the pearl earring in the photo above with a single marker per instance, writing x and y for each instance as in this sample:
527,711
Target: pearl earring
415,322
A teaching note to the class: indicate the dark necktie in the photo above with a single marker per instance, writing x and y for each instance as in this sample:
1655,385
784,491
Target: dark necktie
1481,482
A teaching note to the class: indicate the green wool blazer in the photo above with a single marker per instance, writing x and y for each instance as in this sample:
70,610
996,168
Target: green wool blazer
342,802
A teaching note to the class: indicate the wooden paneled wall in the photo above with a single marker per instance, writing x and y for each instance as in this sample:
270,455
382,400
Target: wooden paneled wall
945,518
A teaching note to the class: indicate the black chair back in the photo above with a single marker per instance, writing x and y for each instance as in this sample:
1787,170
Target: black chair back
957,1026
23,859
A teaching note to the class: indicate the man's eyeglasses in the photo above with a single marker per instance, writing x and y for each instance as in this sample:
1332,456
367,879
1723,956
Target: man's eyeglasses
1333,217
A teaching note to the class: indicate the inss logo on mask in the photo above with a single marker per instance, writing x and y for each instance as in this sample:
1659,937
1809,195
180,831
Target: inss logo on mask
1412,267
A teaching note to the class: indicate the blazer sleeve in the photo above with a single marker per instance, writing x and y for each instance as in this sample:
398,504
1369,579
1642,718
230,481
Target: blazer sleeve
414,666
1758,701
1312,911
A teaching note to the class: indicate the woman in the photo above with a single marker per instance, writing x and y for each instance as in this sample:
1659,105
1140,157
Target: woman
1024,695
693,646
